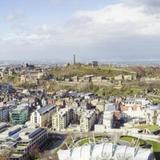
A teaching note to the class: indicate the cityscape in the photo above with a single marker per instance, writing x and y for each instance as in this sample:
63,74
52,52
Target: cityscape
79,80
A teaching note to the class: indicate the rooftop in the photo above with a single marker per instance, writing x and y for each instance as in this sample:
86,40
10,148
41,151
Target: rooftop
3,125
29,133
21,107
46,109
10,132
106,151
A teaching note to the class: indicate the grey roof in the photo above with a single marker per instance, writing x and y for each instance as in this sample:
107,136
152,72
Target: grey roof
45,109
111,106
3,125
154,107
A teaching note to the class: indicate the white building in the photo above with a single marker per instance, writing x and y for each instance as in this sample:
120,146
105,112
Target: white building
108,119
111,107
127,77
135,108
152,115
99,128
119,77
62,119
42,117
134,113
107,151
87,120
158,119
142,102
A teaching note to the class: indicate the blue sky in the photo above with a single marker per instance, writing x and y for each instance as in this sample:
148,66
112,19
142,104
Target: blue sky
38,12
93,29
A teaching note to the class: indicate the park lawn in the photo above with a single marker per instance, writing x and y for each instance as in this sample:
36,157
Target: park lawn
87,141
84,141
155,145
130,139
152,128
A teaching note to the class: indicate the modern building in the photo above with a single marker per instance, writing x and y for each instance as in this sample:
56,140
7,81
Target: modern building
152,115
62,119
30,138
87,120
19,141
10,134
4,113
42,117
108,119
20,114
106,151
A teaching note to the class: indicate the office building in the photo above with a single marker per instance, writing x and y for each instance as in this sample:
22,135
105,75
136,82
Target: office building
20,114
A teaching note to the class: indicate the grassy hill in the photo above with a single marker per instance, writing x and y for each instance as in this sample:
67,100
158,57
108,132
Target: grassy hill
78,70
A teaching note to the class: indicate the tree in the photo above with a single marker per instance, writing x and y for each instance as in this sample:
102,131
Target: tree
35,153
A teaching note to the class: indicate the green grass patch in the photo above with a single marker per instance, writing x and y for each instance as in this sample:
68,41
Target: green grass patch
151,128
84,141
155,145
132,139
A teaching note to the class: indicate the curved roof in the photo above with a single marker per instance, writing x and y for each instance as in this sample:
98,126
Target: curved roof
142,154
107,151
64,154
97,150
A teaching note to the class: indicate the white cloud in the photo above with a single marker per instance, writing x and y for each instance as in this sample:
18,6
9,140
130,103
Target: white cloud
116,25
112,20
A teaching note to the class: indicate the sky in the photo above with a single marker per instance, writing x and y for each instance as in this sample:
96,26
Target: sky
103,30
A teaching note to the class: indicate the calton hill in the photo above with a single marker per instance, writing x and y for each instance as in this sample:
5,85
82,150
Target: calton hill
104,80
